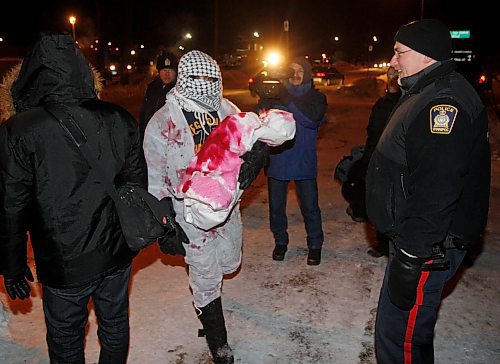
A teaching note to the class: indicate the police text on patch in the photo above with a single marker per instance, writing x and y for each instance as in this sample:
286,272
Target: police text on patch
442,118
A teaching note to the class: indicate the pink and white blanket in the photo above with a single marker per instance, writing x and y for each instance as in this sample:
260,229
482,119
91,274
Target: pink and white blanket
210,185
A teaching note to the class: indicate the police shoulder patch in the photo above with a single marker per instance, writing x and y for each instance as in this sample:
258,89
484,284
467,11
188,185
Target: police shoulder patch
442,118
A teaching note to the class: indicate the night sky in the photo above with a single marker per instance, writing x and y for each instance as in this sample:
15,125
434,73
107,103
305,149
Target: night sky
223,25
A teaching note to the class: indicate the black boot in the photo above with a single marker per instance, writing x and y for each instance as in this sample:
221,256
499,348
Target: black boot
214,330
314,257
279,252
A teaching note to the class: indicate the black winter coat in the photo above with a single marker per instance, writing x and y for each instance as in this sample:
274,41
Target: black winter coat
381,111
47,186
154,99
430,173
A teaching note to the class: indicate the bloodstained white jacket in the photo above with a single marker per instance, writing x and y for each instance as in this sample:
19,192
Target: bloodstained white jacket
169,148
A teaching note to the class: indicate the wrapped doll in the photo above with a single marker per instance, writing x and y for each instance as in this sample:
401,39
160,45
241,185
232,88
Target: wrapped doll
210,186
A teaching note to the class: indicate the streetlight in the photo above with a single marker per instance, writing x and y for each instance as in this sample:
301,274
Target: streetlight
72,21
255,43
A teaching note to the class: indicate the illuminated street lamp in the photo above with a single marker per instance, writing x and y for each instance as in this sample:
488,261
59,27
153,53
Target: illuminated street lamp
188,36
72,21
256,34
336,38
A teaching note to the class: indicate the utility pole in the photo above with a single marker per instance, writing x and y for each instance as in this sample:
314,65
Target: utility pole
286,28
216,28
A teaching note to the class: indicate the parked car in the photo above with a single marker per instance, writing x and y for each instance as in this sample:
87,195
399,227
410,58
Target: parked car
327,75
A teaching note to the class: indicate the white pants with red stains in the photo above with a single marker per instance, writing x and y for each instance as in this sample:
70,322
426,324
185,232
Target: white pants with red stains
407,337
209,259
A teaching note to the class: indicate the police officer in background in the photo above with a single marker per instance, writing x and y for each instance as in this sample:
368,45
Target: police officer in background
427,189
154,99
156,93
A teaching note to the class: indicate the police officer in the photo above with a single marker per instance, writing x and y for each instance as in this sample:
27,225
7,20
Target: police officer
427,189
156,93
154,99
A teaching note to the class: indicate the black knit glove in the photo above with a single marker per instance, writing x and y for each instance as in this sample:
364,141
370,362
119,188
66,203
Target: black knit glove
404,275
17,286
173,241
254,160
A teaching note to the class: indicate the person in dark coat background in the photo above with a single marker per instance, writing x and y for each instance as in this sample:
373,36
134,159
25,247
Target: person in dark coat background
48,189
354,188
296,161
156,93
154,99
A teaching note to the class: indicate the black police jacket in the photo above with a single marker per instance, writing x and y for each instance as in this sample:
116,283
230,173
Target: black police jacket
47,188
154,99
430,173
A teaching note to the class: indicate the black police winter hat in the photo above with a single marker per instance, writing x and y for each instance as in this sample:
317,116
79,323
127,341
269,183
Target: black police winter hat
427,36
166,60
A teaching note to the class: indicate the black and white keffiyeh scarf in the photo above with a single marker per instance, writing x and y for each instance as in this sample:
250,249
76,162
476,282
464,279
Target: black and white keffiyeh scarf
192,93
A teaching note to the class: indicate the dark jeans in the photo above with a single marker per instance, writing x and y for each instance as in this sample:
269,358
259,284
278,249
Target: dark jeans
307,192
66,316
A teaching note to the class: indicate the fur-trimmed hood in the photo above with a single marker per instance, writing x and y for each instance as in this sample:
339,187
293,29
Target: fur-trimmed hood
54,71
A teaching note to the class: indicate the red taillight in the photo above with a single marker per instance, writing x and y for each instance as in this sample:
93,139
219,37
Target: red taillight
482,79
320,74
250,81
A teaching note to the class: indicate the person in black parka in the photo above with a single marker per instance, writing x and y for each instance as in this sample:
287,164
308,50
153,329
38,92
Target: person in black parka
48,189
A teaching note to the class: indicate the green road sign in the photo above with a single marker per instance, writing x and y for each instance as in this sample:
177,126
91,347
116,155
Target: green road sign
460,34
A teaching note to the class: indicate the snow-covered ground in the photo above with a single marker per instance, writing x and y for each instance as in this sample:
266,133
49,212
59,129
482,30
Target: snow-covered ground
288,312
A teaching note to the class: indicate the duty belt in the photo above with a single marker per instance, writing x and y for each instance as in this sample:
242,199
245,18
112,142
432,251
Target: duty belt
439,250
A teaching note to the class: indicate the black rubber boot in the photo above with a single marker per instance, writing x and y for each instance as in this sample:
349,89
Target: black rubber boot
214,330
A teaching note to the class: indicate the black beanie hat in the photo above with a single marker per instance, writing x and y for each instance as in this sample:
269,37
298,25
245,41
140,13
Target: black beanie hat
306,66
427,36
167,60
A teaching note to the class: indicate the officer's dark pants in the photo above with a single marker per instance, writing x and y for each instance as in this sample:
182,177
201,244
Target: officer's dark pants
307,192
66,316
406,337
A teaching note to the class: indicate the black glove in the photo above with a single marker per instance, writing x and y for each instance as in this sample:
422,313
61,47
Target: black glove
254,160
404,274
172,242
16,285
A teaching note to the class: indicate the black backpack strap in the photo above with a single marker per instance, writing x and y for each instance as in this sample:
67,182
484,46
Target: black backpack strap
73,129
